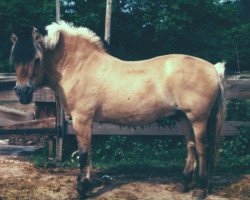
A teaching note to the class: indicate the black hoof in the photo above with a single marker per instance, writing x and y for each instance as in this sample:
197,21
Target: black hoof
199,194
181,188
83,187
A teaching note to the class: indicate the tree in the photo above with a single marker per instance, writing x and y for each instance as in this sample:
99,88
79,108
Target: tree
16,14
141,29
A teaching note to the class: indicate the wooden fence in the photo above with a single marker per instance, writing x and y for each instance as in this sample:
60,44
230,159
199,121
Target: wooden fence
54,123
49,116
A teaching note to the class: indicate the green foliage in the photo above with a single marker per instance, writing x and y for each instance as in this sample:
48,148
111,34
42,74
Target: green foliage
238,110
235,151
5,66
143,29
16,14
110,151
168,153
41,159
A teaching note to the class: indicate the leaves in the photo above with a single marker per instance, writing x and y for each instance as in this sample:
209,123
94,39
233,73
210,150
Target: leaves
143,29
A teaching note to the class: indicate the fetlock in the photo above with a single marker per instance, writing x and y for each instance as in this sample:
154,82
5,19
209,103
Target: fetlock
83,187
200,192
202,183
187,178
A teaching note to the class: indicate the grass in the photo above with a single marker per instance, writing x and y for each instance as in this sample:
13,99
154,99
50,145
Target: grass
234,156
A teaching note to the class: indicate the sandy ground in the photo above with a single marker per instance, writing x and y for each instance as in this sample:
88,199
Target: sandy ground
19,179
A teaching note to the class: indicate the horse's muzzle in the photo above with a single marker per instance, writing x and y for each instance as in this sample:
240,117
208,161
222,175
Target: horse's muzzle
24,93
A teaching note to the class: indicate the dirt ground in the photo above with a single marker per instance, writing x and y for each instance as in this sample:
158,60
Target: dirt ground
19,179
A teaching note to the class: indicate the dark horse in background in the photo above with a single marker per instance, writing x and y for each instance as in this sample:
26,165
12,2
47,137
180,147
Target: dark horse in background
94,86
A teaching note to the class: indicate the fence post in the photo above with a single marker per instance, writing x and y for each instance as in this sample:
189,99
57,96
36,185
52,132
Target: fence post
60,126
51,147
44,110
58,10
108,21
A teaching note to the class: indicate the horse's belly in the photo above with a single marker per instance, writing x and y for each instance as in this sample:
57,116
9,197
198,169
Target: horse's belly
132,113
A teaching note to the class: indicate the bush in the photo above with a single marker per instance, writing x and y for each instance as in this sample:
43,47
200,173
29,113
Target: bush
5,67
235,151
238,110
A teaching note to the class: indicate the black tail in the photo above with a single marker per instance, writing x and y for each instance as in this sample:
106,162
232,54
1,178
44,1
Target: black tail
216,119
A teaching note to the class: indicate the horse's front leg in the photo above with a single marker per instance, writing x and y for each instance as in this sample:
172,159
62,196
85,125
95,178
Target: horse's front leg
82,126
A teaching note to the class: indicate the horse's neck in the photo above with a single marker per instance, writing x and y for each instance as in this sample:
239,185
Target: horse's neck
60,61
52,77
51,71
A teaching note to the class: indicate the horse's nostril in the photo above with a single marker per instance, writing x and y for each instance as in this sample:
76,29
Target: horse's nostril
26,90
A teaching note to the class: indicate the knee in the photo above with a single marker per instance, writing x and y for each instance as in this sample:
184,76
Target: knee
191,145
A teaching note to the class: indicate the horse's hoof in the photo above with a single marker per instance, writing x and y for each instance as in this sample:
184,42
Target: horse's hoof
179,187
199,194
83,187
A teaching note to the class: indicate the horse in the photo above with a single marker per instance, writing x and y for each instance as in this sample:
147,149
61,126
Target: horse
94,86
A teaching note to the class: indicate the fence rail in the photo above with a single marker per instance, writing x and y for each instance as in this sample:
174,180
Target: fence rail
236,88
48,126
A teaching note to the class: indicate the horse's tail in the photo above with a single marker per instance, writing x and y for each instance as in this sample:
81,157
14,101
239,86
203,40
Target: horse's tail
216,119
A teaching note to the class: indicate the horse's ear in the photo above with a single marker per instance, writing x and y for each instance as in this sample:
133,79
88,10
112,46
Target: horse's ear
37,36
13,38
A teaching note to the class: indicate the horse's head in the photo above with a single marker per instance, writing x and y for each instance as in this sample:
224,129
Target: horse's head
27,57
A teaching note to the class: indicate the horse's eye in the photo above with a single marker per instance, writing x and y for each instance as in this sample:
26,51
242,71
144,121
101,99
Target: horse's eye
37,62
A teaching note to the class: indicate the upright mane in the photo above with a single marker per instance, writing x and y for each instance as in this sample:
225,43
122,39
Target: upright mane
55,28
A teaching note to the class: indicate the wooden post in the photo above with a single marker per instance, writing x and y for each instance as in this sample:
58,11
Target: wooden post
58,127
45,110
60,118
51,147
108,21
58,10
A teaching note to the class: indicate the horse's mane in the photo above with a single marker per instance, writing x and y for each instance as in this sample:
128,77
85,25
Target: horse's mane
54,29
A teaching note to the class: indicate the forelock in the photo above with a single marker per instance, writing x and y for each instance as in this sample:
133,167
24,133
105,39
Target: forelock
25,32
23,50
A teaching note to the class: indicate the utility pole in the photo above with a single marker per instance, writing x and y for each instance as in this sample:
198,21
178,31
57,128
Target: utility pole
108,21
58,10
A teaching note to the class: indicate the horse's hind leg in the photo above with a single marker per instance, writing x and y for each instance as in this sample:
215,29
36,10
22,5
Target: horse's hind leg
200,129
82,128
189,169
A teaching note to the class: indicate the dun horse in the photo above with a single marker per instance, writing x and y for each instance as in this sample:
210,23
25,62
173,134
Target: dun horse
94,86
